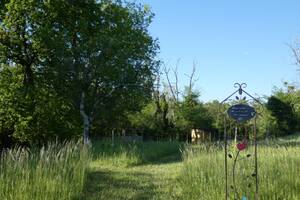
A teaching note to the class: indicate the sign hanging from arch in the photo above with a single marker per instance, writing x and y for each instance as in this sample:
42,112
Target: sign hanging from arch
241,112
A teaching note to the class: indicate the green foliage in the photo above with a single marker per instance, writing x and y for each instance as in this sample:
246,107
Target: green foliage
164,118
192,114
32,115
112,59
284,107
267,124
73,65
154,119
145,118
94,58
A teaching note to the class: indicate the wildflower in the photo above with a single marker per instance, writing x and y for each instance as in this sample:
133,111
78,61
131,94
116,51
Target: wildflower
242,146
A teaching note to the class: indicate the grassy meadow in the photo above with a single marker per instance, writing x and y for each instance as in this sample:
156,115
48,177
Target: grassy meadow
202,175
143,170
56,171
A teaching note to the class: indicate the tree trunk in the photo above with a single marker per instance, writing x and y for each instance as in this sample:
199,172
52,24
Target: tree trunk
86,121
28,75
235,134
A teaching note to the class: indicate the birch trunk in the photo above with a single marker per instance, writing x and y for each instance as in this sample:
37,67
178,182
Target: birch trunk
86,121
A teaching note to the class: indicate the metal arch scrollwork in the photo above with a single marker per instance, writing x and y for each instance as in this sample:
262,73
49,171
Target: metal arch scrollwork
240,86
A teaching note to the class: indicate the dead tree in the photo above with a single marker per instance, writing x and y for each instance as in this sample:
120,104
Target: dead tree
296,51
173,88
192,79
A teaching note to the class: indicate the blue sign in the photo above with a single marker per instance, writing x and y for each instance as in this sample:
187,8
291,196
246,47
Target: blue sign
241,112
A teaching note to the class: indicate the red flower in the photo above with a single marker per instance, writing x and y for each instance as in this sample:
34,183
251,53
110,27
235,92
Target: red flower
242,146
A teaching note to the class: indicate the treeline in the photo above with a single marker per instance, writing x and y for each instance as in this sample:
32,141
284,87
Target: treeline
167,117
84,68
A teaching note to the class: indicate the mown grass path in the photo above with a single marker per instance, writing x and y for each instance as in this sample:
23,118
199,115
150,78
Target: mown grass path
146,181
155,171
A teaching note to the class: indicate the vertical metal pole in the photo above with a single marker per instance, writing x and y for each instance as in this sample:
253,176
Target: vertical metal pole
255,157
226,176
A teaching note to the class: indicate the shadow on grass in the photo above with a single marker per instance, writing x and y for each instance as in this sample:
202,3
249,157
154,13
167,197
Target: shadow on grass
279,143
115,185
167,159
127,183
131,181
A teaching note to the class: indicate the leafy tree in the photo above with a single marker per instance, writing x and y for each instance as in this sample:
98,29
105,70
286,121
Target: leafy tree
112,59
21,120
284,114
96,55
155,118
215,111
192,114
19,36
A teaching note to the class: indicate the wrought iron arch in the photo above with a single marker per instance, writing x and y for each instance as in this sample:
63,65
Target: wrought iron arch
241,113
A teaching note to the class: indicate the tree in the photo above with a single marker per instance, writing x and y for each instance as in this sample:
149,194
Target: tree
97,55
296,51
19,36
283,113
192,114
28,120
215,111
32,111
112,59
156,117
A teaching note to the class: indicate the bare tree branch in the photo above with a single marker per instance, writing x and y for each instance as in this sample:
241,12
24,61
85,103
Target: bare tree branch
192,78
175,71
296,52
173,86
167,71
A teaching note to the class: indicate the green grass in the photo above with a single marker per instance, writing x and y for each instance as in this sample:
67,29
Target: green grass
160,171
144,170
202,175
56,171
133,170
135,153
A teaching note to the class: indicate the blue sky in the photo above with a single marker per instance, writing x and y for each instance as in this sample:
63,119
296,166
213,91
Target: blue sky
231,41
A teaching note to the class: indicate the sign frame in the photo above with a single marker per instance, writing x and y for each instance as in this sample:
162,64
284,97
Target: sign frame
240,112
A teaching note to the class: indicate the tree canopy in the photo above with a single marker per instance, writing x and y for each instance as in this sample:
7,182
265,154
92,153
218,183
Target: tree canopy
97,56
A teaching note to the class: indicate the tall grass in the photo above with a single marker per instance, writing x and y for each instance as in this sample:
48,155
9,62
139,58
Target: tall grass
202,175
134,153
56,171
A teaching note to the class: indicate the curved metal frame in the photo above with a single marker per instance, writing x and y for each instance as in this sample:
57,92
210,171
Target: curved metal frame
240,91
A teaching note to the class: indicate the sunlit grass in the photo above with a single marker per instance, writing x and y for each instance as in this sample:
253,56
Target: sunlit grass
202,175
142,170
56,171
